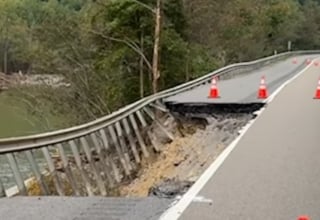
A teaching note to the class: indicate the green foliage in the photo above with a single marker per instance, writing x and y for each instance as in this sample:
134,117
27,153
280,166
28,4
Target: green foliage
105,48
309,28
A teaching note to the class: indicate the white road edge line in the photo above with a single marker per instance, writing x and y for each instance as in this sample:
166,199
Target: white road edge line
176,210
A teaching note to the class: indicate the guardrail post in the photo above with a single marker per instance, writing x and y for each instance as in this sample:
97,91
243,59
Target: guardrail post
68,170
119,151
2,190
144,125
95,171
53,171
153,141
123,145
139,137
83,174
131,140
16,172
152,116
141,118
104,165
38,176
108,158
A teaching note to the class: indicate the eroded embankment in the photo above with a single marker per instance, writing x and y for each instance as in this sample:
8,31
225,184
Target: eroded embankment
205,132
201,134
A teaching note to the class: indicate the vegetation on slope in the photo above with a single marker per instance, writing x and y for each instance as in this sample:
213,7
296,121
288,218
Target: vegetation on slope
105,48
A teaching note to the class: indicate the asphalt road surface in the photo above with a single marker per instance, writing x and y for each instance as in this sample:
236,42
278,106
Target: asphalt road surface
274,170
244,89
87,208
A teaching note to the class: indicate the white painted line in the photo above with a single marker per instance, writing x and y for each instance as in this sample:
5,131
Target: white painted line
178,208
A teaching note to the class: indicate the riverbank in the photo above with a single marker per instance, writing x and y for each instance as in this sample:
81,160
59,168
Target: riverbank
18,79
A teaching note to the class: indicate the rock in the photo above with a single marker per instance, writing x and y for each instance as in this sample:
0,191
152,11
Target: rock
170,188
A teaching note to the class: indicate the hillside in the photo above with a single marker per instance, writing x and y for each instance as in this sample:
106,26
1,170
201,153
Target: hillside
106,49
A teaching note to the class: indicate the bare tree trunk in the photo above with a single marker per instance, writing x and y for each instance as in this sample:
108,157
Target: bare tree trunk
155,62
5,53
141,67
187,66
5,58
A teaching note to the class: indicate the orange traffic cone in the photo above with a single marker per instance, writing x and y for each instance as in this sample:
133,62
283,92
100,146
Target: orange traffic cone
303,217
214,91
295,61
317,96
263,92
308,61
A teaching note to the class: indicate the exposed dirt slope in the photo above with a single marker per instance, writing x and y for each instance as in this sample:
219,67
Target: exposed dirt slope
187,157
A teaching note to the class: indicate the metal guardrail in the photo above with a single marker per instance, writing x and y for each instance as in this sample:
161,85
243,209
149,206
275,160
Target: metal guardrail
91,159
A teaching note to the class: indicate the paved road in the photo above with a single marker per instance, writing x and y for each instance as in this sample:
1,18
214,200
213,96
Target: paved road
88,208
244,89
274,170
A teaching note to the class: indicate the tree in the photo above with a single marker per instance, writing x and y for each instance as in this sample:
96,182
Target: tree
117,51
283,18
136,25
309,27
156,50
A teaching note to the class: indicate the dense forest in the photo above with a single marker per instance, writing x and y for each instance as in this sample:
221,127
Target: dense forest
116,51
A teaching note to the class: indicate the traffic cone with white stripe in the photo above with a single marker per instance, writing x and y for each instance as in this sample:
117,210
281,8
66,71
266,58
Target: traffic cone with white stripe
317,95
263,91
214,91
308,61
294,61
